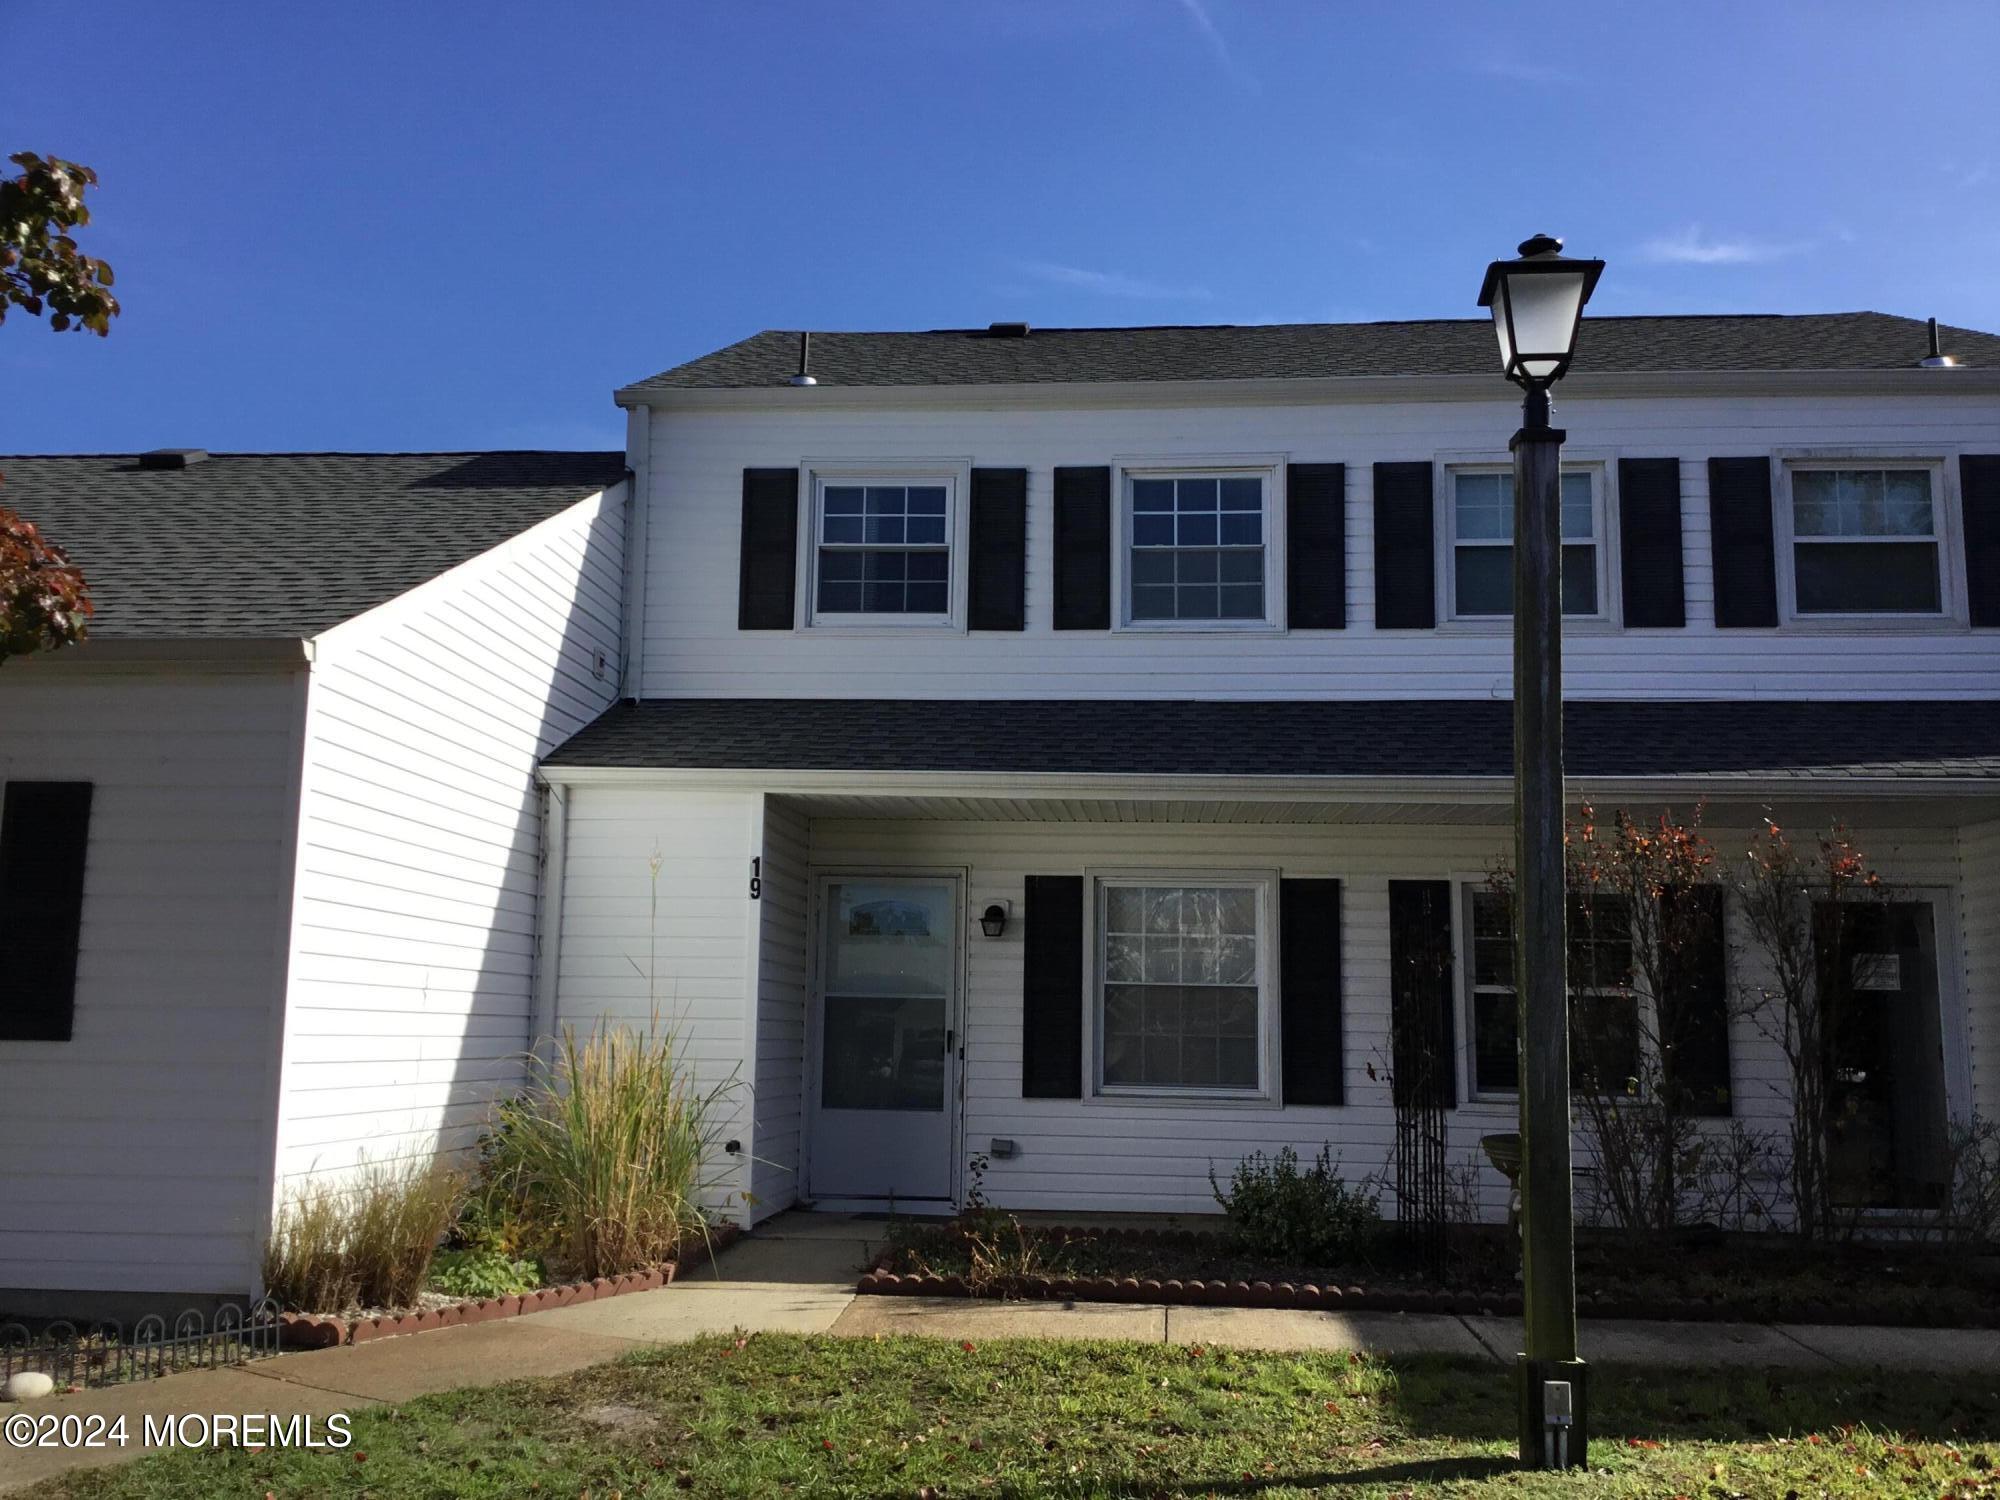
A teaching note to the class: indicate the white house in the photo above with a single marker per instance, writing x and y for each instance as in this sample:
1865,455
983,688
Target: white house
1179,657
270,840
1183,654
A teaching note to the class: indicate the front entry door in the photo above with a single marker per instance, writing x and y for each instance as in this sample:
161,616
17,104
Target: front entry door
886,1012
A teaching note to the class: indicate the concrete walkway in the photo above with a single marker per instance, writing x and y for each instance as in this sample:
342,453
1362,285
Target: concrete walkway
797,1274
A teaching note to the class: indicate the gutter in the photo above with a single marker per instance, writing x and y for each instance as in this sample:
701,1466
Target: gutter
1579,385
1455,790
129,653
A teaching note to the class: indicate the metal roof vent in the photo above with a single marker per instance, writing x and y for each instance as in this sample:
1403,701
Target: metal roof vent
1006,330
1937,359
173,458
804,375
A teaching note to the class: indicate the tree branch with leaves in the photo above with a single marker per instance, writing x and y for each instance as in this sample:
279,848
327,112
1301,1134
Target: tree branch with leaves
44,602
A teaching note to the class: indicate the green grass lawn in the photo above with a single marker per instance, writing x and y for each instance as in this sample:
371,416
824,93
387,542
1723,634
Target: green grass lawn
776,1415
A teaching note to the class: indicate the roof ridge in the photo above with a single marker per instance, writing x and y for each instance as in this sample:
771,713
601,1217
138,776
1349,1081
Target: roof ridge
215,453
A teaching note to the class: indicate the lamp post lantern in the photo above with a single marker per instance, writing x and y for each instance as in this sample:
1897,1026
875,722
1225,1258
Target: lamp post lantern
1537,303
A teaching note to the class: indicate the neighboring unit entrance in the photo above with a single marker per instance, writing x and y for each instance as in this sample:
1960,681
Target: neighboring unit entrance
886,1004
1887,1145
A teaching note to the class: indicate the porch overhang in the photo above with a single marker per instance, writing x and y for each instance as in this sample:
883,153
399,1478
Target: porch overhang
1425,760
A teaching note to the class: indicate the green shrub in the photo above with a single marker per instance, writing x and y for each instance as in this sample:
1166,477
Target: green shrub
483,1273
367,1240
603,1159
1309,1217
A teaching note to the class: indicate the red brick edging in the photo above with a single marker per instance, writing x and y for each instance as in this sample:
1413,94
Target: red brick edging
324,1331
879,1280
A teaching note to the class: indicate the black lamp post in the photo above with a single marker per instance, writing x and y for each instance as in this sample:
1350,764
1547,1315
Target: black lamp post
1537,302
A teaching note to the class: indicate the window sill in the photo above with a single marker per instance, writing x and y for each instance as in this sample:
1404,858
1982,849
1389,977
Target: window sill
880,626
1198,627
1577,625
1201,1098
1874,625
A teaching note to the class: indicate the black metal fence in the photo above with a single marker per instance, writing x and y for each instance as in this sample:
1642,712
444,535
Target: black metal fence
103,1353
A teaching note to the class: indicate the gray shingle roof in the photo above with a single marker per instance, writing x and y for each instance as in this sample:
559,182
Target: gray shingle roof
1307,351
282,544
1436,738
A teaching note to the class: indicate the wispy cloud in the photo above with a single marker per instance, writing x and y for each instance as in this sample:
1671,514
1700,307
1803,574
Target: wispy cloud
1110,283
1511,69
1690,247
1204,23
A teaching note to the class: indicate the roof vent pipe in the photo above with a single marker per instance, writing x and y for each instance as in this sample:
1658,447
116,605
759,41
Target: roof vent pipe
173,458
804,376
1937,359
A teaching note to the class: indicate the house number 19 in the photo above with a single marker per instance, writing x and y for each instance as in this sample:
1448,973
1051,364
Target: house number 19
756,877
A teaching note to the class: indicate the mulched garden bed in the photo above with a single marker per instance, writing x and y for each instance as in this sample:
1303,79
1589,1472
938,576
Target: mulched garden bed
325,1330
1710,1278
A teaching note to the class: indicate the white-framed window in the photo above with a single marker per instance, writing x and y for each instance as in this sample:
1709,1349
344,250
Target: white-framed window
1604,1020
1862,539
1183,986
1479,515
1197,547
882,548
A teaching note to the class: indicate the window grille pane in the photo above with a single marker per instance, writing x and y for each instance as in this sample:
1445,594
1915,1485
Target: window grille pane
1866,577
1152,603
1485,580
1243,494
1242,601
842,500
1906,503
1152,531
1196,530
1180,1003
1152,494
1579,516
926,500
1496,1061
1242,530
1195,494
1579,580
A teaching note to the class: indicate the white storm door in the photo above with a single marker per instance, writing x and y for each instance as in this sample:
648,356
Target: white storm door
886,1006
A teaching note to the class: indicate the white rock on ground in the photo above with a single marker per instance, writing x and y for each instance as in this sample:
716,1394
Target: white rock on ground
28,1385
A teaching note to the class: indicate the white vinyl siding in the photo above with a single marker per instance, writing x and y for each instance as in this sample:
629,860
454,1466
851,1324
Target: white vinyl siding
1154,1155
138,1153
659,931
419,849
1980,855
780,1042
693,648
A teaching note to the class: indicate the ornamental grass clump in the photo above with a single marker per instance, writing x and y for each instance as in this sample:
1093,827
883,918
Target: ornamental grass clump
365,1241
605,1157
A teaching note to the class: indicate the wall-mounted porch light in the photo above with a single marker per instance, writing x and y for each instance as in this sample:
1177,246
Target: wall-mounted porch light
993,921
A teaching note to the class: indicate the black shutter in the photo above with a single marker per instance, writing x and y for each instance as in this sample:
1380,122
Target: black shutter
1745,556
1052,988
1649,541
1979,493
44,830
997,570
1696,1017
1422,1032
1083,549
1316,546
768,582
1309,1032
1405,567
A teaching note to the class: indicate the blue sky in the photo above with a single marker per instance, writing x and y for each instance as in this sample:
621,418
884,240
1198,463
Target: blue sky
433,225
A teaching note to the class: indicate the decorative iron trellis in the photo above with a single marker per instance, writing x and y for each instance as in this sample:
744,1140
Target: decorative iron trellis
1422,1081
100,1353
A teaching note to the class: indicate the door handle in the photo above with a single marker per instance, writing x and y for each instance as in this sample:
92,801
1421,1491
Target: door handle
948,1037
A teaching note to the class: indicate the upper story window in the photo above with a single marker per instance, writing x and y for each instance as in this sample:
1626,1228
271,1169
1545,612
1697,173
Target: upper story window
882,550
1198,549
1481,516
1865,541
1604,1020
1182,994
